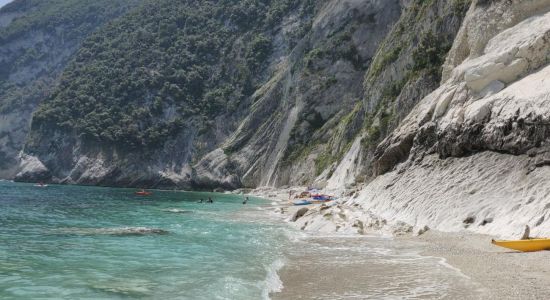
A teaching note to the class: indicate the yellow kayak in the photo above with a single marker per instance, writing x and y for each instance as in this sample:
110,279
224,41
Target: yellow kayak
525,245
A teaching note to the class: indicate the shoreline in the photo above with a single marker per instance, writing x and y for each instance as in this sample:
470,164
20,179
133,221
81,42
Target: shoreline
504,274
494,272
491,271
352,267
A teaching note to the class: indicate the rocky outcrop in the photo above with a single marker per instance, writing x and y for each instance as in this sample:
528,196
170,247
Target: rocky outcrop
489,193
472,154
69,160
215,170
33,170
406,68
298,214
494,100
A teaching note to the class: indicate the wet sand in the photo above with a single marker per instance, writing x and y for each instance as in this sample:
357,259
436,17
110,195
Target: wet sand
505,274
369,268
464,266
489,271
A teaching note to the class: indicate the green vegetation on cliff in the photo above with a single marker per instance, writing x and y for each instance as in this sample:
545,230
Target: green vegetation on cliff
48,15
276,84
43,34
37,40
163,66
417,47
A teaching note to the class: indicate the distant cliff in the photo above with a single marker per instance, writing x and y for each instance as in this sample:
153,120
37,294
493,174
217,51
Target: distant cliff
37,40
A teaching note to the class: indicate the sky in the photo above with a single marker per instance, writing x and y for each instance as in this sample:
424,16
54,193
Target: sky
4,2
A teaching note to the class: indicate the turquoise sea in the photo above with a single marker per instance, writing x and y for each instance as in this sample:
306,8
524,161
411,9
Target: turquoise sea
73,242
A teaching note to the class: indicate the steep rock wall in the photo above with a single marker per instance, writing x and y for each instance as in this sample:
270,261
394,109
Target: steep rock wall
142,103
310,82
310,100
473,154
406,68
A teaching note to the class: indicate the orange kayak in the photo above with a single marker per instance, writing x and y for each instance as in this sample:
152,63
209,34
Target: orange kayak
143,193
525,245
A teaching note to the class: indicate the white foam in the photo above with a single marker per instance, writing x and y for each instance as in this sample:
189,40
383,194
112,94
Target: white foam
444,263
176,210
294,235
272,282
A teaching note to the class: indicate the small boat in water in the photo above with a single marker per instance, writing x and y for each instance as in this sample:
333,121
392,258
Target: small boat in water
41,185
529,245
143,193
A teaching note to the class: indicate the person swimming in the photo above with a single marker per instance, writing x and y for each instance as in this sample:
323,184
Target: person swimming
210,200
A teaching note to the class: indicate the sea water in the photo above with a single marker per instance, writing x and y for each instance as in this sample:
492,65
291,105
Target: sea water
70,242
73,242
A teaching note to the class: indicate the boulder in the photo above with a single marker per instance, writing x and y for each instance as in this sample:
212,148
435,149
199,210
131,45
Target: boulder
299,213
32,170
423,230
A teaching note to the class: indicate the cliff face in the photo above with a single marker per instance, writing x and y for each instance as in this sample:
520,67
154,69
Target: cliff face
150,94
305,117
277,94
396,97
37,40
406,68
473,154
482,104
217,113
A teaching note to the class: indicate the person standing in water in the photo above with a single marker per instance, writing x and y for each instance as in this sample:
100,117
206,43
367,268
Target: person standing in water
210,200
245,201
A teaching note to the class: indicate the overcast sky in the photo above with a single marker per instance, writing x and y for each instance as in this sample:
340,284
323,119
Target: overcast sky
3,2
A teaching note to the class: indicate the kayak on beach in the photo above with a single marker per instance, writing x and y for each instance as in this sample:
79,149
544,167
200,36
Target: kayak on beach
311,196
302,202
525,245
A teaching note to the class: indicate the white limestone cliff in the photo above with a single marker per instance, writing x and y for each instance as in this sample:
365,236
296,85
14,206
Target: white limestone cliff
474,154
